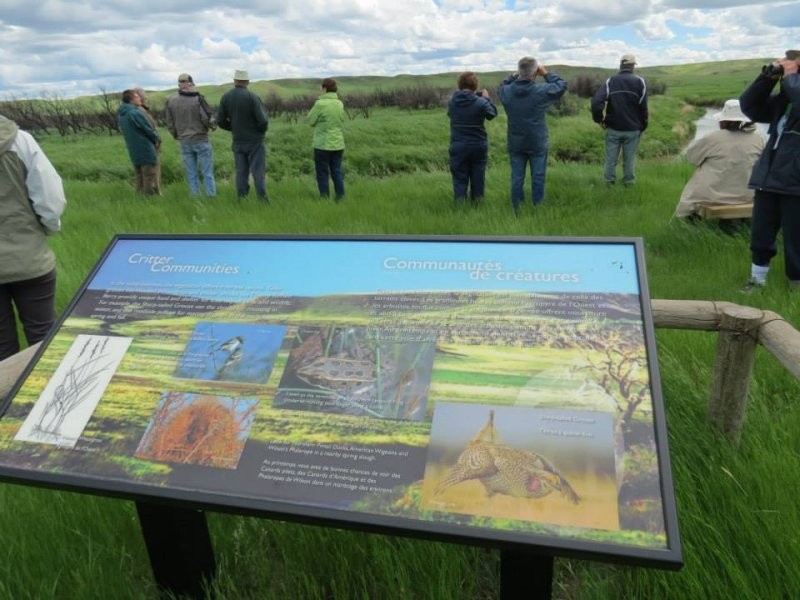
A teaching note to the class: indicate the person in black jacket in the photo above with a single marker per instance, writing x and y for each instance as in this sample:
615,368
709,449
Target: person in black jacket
469,144
620,107
243,114
776,175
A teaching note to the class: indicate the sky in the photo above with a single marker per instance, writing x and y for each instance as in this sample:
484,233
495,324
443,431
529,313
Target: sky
66,48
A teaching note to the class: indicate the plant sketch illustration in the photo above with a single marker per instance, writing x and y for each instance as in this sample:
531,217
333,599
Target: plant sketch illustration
71,395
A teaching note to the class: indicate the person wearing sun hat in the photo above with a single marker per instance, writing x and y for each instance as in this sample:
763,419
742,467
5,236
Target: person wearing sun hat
620,107
243,114
724,159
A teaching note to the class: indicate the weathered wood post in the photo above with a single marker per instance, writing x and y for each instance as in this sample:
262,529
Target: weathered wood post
733,365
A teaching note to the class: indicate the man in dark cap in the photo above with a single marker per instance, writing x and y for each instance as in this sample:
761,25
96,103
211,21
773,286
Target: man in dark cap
189,119
620,107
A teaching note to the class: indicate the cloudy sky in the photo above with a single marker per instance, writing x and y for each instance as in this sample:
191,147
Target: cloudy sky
73,47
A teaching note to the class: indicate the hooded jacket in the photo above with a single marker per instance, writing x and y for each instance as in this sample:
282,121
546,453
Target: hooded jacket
327,118
778,169
621,102
467,112
525,103
140,136
31,202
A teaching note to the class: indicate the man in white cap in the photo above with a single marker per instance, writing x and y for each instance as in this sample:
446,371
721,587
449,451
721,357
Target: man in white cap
724,159
243,114
620,107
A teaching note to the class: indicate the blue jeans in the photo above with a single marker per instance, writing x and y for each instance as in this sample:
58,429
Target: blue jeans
199,156
628,143
468,168
328,165
773,213
250,159
520,162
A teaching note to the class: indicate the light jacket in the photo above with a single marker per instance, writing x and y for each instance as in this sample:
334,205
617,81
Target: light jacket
778,169
140,136
31,202
621,102
242,113
724,161
327,119
187,118
525,103
467,112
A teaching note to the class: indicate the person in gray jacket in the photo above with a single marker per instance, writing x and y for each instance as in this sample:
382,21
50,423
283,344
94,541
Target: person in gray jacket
243,114
31,202
189,119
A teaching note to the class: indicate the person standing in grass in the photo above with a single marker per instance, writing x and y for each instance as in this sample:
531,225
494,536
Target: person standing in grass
31,202
620,107
149,115
142,141
525,102
776,176
327,119
189,119
724,161
243,114
469,144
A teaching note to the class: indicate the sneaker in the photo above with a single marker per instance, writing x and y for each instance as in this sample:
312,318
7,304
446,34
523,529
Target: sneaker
752,285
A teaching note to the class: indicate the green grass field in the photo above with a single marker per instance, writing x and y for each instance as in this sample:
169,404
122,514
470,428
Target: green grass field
736,507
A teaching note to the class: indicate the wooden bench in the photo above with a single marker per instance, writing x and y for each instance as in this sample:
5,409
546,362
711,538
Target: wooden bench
726,211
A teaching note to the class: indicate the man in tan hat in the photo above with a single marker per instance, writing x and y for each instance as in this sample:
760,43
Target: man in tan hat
243,114
775,177
620,107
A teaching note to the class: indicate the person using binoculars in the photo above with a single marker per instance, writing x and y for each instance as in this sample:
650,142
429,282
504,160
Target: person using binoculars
776,175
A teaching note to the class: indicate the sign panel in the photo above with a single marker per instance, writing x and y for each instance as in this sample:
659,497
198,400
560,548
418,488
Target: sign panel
501,391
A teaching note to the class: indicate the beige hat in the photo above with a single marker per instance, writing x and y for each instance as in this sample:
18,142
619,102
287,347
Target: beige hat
241,75
628,59
731,112
185,78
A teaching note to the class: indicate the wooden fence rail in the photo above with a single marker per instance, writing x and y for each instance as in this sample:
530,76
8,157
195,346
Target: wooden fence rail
740,329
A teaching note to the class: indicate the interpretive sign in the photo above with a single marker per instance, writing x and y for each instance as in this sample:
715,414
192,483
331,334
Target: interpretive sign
497,391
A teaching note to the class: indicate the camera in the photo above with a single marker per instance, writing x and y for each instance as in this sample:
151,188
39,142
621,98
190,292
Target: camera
772,70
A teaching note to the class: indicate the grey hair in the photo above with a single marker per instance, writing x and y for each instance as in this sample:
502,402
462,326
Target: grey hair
527,67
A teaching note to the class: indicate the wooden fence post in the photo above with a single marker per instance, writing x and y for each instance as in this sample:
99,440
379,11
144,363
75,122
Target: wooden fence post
733,365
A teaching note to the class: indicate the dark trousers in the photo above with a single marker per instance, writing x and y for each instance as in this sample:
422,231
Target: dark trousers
250,159
328,165
468,168
34,300
773,213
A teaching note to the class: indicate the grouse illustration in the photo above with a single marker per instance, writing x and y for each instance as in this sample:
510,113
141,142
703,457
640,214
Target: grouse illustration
505,470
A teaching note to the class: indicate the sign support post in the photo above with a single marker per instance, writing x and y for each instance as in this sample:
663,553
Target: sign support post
525,575
179,546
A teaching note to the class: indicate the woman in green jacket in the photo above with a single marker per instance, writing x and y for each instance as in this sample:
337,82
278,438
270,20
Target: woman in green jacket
327,117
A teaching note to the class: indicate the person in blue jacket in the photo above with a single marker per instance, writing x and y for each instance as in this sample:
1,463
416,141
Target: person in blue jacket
776,176
469,145
525,102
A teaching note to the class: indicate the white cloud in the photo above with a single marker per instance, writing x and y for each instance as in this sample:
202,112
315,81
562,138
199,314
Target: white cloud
77,46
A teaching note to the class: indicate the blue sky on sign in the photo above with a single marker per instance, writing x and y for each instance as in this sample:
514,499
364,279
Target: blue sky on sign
74,47
238,270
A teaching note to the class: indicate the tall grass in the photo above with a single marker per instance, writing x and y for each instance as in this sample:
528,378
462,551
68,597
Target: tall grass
737,508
